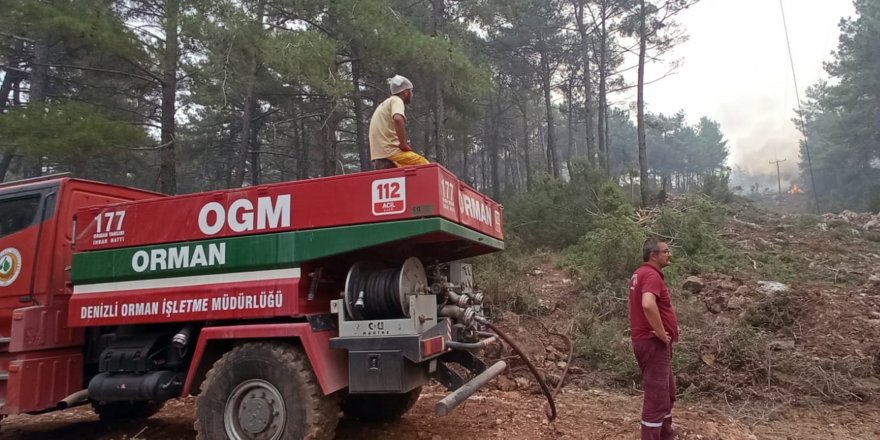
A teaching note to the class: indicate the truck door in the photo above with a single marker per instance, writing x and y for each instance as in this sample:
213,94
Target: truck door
22,214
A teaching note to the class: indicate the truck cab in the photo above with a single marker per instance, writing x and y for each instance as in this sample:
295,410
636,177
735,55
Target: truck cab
36,344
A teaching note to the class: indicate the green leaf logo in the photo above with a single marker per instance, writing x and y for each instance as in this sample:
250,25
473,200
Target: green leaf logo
10,266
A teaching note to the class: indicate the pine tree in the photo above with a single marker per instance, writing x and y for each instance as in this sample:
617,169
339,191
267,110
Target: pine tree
839,117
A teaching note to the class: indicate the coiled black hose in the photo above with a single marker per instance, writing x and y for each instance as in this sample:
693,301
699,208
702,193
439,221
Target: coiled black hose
381,295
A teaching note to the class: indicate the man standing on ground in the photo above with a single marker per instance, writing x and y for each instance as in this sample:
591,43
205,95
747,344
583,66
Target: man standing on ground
654,327
388,128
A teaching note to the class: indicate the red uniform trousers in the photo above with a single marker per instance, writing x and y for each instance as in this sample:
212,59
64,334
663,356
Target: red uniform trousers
655,361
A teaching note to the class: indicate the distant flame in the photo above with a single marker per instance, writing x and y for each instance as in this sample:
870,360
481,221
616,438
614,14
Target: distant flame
795,189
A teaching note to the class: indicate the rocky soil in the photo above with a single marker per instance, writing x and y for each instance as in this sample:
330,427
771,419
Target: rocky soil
831,264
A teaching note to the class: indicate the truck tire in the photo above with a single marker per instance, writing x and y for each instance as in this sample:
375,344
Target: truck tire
264,391
111,412
379,408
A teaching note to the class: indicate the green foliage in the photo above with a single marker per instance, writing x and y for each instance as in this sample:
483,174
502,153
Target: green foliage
710,150
678,149
93,100
555,214
72,133
608,253
311,71
607,197
745,348
690,234
622,136
873,202
843,146
783,267
808,221
287,51
691,313
717,187
544,216
501,277
83,25
604,346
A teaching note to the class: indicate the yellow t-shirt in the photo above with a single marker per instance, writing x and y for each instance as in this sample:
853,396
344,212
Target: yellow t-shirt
383,137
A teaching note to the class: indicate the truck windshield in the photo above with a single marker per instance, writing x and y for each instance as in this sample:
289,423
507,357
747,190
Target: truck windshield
18,213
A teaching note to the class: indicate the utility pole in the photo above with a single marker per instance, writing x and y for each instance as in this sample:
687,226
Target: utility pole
803,118
778,179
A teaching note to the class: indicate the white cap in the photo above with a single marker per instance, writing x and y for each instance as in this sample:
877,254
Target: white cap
398,84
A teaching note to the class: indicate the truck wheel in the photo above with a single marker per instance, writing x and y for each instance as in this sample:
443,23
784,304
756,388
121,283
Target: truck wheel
126,410
379,408
264,391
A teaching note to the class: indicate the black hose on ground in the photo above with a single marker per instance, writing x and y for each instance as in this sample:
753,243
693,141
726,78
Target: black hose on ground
567,363
551,414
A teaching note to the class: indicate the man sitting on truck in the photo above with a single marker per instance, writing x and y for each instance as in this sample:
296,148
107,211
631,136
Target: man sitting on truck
388,143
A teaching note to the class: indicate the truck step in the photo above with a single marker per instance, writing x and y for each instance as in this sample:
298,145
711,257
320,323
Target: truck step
4,375
5,340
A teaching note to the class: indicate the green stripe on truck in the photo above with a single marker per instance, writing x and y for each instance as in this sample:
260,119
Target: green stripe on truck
254,252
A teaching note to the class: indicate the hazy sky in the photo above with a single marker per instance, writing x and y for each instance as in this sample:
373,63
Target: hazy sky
736,71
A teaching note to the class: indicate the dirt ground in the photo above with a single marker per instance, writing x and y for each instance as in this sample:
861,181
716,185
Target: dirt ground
583,414
833,264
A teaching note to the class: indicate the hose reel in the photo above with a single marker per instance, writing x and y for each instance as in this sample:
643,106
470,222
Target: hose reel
374,291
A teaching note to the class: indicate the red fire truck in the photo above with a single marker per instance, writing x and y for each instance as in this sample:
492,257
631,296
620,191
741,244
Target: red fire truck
278,305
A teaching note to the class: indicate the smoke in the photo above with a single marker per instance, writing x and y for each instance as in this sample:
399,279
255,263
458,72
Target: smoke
758,156
760,135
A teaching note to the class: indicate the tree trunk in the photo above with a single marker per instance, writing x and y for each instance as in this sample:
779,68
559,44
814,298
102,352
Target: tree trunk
493,147
426,141
10,78
571,145
552,161
328,139
39,78
363,144
16,94
250,104
640,105
39,82
170,59
588,85
514,165
10,82
526,160
5,161
226,172
507,182
476,171
439,123
244,139
483,171
439,110
603,92
291,172
256,178
464,164
302,163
